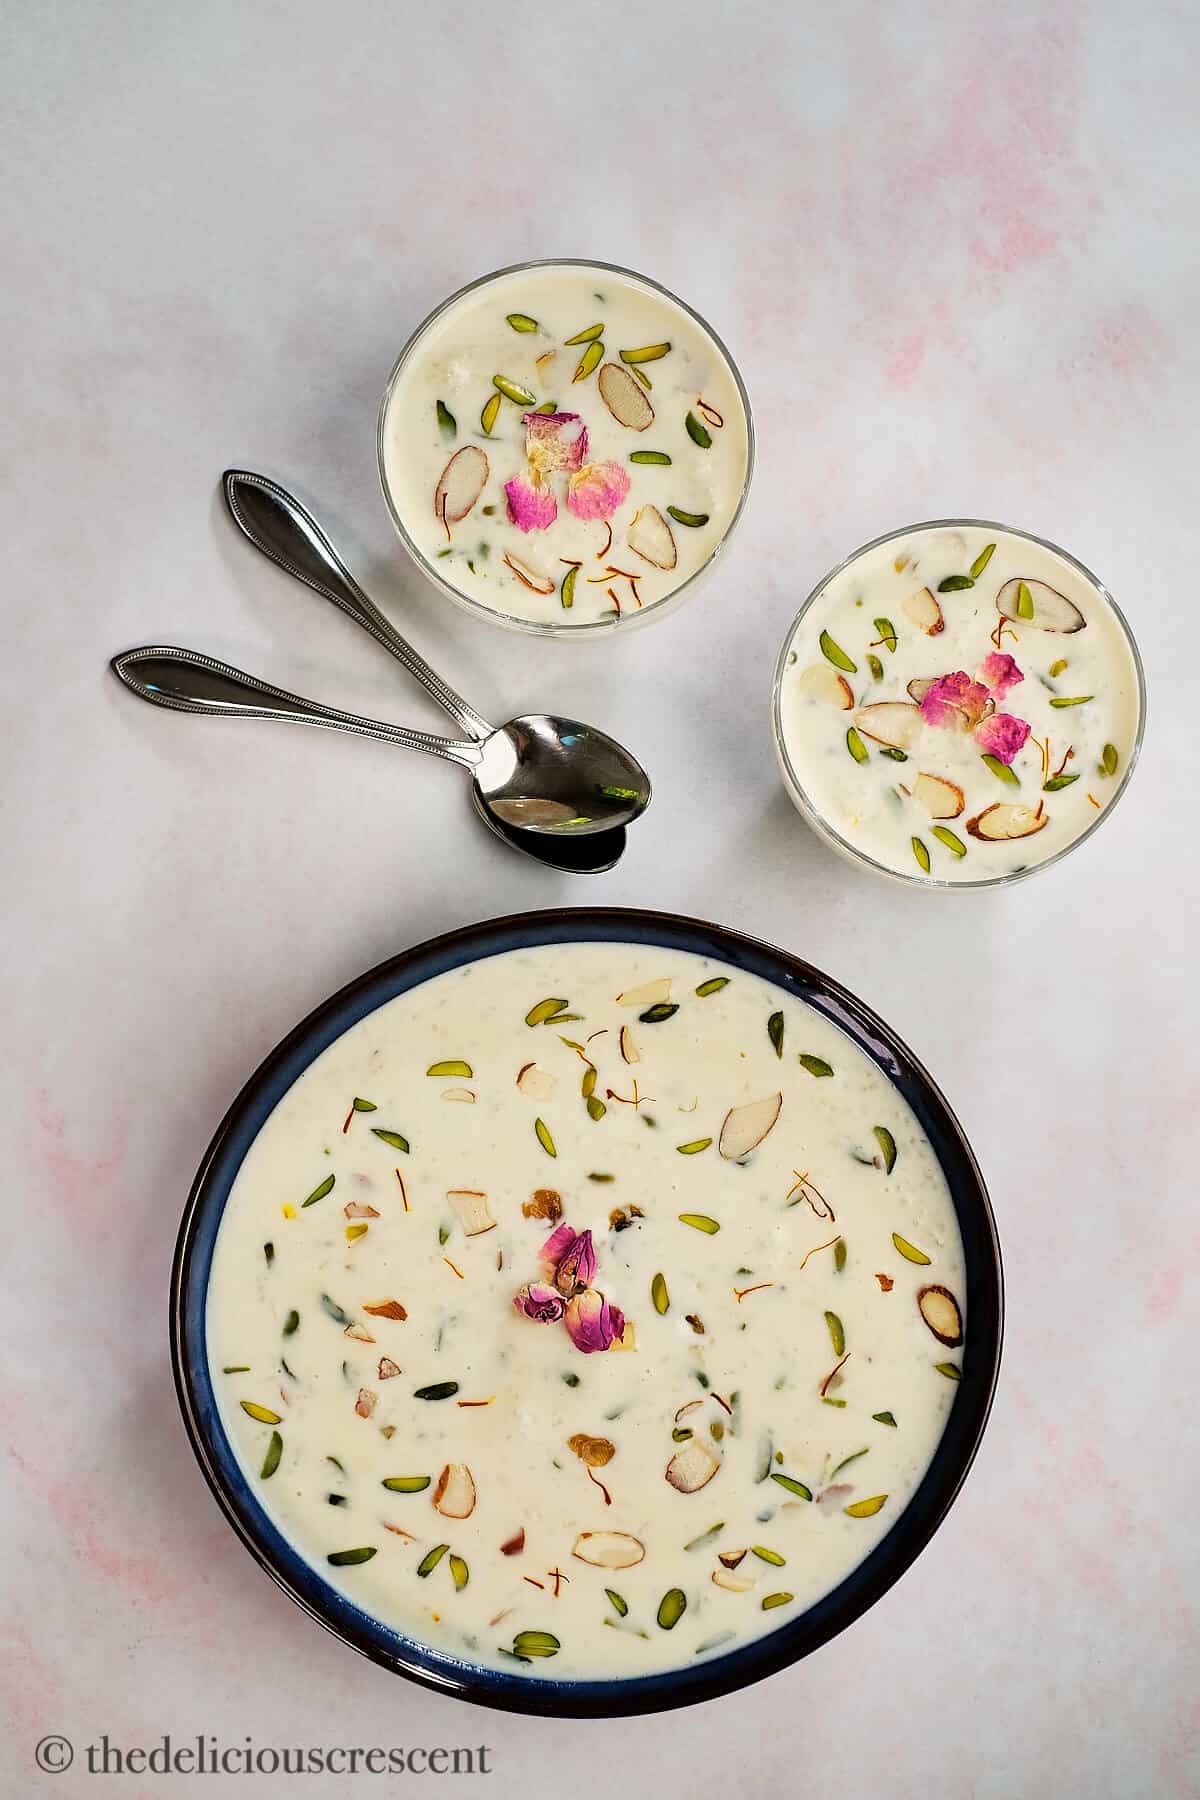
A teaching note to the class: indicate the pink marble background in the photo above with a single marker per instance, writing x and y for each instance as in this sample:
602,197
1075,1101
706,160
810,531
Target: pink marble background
955,253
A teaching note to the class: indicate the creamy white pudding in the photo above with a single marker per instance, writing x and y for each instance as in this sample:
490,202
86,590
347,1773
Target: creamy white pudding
957,703
587,1310
564,445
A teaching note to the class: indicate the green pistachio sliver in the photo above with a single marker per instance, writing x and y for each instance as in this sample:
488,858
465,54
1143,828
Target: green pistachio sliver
659,1294
618,1603
361,1105
588,361
865,1509
395,1138
921,853
596,1109
542,1131
839,1255
671,1608
521,322
1108,760
775,1032
452,1066
587,1085
950,1370
600,1175
571,1380
697,432
1057,666
536,1643
887,1145
460,1572
700,1221
271,1459
816,1065
431,1559
658,1014
1075,700
443,1234
832,651
567,591
1056,783
856,747
406,1484
447,423
1024,601
586,337
263,1414
772,1600
847,1460
887,634
291,1323
792,1485
981,561
680,1434
712,986
875,666
908,1251
658,458
946,837
644,353
706,1537
641,375
693,1148
336,1313
319,1192
545,1011
767,1555
885,1418
828,1400
236,1369
837,1332
437,1390
546,408
347,1559
512,390
1001,770
695,520
954,584
892,754
490,413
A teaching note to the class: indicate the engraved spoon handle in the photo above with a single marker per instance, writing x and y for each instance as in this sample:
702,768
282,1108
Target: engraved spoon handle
277,524
188,681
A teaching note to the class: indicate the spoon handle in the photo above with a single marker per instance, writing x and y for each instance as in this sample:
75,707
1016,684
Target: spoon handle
188,681
277,524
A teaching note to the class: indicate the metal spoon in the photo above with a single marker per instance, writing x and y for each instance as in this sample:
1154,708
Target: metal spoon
538,773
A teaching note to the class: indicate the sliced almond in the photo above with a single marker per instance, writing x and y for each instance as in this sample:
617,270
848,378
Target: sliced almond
924,611
365,1405
651,993
892,722
608,1549
454,1495
388,1370
731,1558
360,1333
460,484
939,1309
745,1127
693,1466
733,1584
466,1095
920,686
823,684
688,1408
650,537
624,397
358,1209
539,1084
999,822
627,1339
385,1309
545,361
629,1050
471,1211
941,799
535,579
1052,611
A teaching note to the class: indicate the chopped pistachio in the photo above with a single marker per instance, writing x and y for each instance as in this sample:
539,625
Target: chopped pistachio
320,1191
700,1221
833,652
671,1608
837,1333
816,1065
659,1294
887,1145
712,986
343,1559
909,1251
521,321
865,1509
512,390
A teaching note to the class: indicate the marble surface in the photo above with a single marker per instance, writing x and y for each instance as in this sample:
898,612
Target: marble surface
955,255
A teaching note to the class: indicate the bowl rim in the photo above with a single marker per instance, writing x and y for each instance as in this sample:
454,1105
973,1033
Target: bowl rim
797,792
720,1673
549,628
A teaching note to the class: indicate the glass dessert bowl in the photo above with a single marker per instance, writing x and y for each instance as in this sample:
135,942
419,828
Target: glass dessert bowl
565,447
958,704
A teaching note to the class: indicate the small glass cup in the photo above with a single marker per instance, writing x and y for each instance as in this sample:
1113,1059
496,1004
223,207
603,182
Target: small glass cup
592,629
791,775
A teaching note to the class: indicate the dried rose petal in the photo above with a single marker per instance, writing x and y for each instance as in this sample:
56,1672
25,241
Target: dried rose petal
592,1323
999,672
1002,736
577,1269
596,490
954,700
556,1247
537,1301
531,504
555,441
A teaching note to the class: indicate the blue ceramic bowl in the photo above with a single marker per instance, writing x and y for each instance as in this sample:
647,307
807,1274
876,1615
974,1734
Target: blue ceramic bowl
716,1675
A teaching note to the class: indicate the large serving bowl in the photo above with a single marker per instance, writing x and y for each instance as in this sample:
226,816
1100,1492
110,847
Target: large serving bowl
722,1673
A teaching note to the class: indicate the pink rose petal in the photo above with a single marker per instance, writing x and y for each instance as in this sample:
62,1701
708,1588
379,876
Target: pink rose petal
536,1301
999,672
556,1247
531,506
555,441
597,490
954,700
592,1322
577,1269
1002,735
